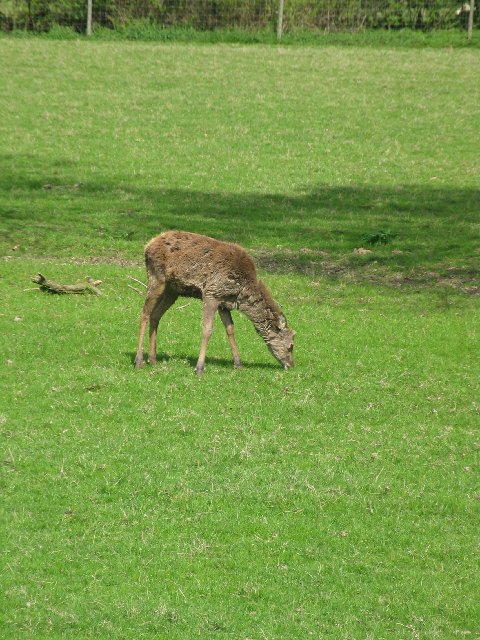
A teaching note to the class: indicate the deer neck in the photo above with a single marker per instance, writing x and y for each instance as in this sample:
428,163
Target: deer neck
258,309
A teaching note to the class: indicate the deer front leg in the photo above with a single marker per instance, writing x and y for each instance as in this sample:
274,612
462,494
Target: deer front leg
163,305
226,317
210,305
155,291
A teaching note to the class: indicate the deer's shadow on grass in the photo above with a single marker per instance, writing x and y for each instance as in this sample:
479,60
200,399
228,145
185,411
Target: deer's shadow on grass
224,363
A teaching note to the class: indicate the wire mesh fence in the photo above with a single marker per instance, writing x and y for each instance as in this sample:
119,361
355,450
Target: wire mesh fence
295,15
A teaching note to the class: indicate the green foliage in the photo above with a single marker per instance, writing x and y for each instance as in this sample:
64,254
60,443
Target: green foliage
41,15
380,237
334,15
323,15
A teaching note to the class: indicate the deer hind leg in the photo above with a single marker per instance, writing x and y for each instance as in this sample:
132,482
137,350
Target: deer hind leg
226,317
164,303
154,292
210,306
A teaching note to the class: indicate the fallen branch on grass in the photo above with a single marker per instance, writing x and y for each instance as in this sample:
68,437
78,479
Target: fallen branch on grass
140,293
88,285
139,281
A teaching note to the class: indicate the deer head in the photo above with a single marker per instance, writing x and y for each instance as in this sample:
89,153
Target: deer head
280,343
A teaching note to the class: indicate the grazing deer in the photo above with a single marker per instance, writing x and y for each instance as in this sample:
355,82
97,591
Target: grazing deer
223,276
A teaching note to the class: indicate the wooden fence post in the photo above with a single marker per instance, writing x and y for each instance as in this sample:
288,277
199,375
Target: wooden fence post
89,17
280,19
470,19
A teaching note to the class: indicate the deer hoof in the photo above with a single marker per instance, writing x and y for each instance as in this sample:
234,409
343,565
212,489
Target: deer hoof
199,371
138,363
152,359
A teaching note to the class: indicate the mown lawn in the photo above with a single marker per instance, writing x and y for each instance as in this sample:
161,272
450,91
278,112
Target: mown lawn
336,500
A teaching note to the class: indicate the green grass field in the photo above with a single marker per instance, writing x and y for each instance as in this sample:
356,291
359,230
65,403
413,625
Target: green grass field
336,500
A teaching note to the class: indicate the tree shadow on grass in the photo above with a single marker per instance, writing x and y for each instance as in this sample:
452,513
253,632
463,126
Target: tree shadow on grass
47,210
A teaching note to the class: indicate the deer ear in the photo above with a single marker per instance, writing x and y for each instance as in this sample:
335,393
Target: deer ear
282,322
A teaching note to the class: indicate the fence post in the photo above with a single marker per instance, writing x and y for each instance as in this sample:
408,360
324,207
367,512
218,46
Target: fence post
89,17
470,19
280,19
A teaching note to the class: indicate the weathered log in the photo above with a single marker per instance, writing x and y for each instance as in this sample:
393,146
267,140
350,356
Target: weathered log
88,285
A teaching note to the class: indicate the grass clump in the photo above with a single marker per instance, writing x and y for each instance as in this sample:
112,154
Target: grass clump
383,236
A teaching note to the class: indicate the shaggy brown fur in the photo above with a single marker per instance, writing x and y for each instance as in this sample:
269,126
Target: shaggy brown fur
221,274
